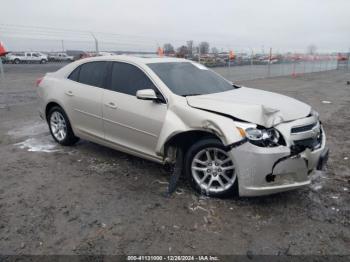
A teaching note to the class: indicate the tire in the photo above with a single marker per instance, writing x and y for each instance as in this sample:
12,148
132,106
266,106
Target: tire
43,61
57,116
211,172
16,61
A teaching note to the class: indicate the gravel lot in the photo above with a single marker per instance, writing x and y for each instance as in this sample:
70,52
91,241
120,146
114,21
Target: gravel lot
89,199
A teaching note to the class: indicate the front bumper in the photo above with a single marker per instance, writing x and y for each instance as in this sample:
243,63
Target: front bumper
263,170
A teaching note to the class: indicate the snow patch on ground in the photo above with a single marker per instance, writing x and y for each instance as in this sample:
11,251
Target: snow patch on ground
317,180
316,187
37,137
44,144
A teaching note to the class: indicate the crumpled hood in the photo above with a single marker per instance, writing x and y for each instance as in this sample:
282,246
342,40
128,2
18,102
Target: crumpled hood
256,106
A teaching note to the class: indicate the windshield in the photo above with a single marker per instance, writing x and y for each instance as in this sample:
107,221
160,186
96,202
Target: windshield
187,79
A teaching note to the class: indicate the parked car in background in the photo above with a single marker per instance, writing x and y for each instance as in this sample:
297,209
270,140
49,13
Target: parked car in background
223,136
27,57
4,59
60,57
76,54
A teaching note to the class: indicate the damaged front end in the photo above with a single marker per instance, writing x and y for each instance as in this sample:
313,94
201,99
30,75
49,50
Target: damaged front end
279,158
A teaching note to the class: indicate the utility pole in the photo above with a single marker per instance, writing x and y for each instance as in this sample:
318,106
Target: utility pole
62,43
251,63
269,65
2,48
1,66
199,54
2,78
96,42
229,60
1,71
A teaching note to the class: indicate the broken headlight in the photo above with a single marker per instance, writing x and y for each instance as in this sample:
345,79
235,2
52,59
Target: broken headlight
264,137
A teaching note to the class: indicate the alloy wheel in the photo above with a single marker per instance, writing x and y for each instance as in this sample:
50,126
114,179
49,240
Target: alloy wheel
213,170
58,126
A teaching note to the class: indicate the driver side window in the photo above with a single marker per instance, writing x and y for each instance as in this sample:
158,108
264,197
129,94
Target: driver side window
128,79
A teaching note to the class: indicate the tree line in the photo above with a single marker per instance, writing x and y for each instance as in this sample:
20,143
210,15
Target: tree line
189,49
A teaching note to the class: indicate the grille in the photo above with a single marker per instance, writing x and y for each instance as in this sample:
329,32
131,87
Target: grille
312,143
301,129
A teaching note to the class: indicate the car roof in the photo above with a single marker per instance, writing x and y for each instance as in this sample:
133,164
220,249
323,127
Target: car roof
66,70
134,59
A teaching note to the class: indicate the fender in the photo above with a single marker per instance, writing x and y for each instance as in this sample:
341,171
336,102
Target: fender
184,119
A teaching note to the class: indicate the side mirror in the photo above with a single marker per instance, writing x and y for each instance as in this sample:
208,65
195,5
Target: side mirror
146,94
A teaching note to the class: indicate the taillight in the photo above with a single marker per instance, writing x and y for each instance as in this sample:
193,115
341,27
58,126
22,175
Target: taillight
38,81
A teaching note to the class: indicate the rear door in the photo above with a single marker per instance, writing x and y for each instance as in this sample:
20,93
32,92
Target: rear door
130,122
84,98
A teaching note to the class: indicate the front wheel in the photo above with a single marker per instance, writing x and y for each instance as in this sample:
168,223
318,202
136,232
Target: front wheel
210,169
43,61
60,127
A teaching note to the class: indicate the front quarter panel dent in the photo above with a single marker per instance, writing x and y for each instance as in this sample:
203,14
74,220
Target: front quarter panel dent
183,118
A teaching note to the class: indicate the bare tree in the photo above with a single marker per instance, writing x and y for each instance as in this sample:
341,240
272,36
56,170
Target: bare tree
190,48
182,51
168,49
214,50
204,47
311,49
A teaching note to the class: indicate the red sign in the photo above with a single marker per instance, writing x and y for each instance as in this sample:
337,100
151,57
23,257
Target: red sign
2,49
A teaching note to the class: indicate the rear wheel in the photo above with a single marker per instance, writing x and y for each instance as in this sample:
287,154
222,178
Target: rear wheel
43,61
16,61
60,127
210,169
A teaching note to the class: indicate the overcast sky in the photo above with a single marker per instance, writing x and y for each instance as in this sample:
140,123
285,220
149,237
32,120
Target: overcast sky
142,24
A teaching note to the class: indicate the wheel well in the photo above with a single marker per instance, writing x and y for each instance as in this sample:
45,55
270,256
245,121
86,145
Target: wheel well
186,139
48,108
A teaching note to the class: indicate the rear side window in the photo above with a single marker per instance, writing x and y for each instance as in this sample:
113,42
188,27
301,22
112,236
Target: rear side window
75,74
93,74
128,79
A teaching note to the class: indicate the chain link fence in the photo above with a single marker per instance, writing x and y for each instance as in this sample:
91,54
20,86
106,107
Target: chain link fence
255,67
240,66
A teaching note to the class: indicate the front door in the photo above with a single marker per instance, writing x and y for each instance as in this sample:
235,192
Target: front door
130,122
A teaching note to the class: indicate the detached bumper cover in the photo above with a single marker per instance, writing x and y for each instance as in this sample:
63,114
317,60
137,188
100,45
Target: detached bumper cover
263,171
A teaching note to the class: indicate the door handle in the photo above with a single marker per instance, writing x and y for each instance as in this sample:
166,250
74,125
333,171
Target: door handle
69,93
111,105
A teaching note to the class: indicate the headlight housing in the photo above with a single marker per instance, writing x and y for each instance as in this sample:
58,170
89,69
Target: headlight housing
259,136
